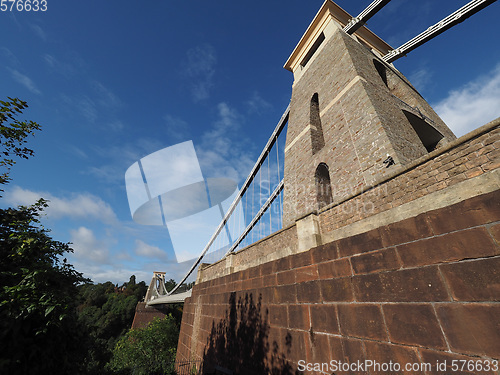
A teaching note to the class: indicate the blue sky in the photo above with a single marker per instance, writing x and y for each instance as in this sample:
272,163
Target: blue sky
113,81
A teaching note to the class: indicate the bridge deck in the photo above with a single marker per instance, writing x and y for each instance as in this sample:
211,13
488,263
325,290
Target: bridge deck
173,298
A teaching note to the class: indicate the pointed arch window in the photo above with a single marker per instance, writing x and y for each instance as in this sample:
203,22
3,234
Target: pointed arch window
317,137
323,186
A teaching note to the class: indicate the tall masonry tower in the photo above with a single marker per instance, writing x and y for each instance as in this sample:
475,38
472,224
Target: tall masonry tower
353,117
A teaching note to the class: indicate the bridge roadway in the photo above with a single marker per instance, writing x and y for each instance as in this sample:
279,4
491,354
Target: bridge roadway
172,298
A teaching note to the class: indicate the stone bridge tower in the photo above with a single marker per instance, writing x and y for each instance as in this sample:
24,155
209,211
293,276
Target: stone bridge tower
353,117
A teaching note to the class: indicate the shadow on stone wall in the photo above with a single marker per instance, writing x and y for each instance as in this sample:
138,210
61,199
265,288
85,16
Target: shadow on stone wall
240,342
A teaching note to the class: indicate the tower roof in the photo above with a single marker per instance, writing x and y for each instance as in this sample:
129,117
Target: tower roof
332,12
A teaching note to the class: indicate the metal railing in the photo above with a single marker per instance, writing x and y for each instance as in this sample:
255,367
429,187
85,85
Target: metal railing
250,216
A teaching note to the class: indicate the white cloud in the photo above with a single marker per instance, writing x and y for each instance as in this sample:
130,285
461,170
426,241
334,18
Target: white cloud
78,206
88,247
149,251
25,81
115,274
200,69
472,105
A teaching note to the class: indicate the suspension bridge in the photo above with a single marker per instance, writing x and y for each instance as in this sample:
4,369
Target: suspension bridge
257,210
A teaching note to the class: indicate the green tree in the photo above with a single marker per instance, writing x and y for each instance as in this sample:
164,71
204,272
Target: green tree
150,350
39,333
13,134
107,312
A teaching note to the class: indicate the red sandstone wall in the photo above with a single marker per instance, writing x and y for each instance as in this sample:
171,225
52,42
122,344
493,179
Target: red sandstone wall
423,290
419,291
144,315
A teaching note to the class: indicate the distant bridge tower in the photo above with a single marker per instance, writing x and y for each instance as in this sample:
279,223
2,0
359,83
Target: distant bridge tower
353,117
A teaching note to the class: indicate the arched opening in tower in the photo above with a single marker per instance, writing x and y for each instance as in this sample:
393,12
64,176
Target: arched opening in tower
323,186
317,138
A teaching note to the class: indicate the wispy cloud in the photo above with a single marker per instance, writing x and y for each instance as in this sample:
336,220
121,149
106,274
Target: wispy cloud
11,58
77,206
219,137
119,158
25,81
472,105
77,151
39,32
61,67
116,125
420,79
222,153
177,128
83,105
256,104
107,98
200,70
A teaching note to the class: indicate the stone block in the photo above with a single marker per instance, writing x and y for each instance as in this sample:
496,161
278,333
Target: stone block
336,290
376,261
278,316
308,292
300,260
324,318
286,294
325,252
406,230
363,321
495,233
411,285
471,328
286,277
382,353
320,347
474,280
470,243
414,324
308,273
335,269
298,317
360,243
472,212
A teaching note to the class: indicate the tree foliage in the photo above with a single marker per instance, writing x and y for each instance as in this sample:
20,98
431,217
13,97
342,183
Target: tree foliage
13,134
107,312
38,324
52,319
150,350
